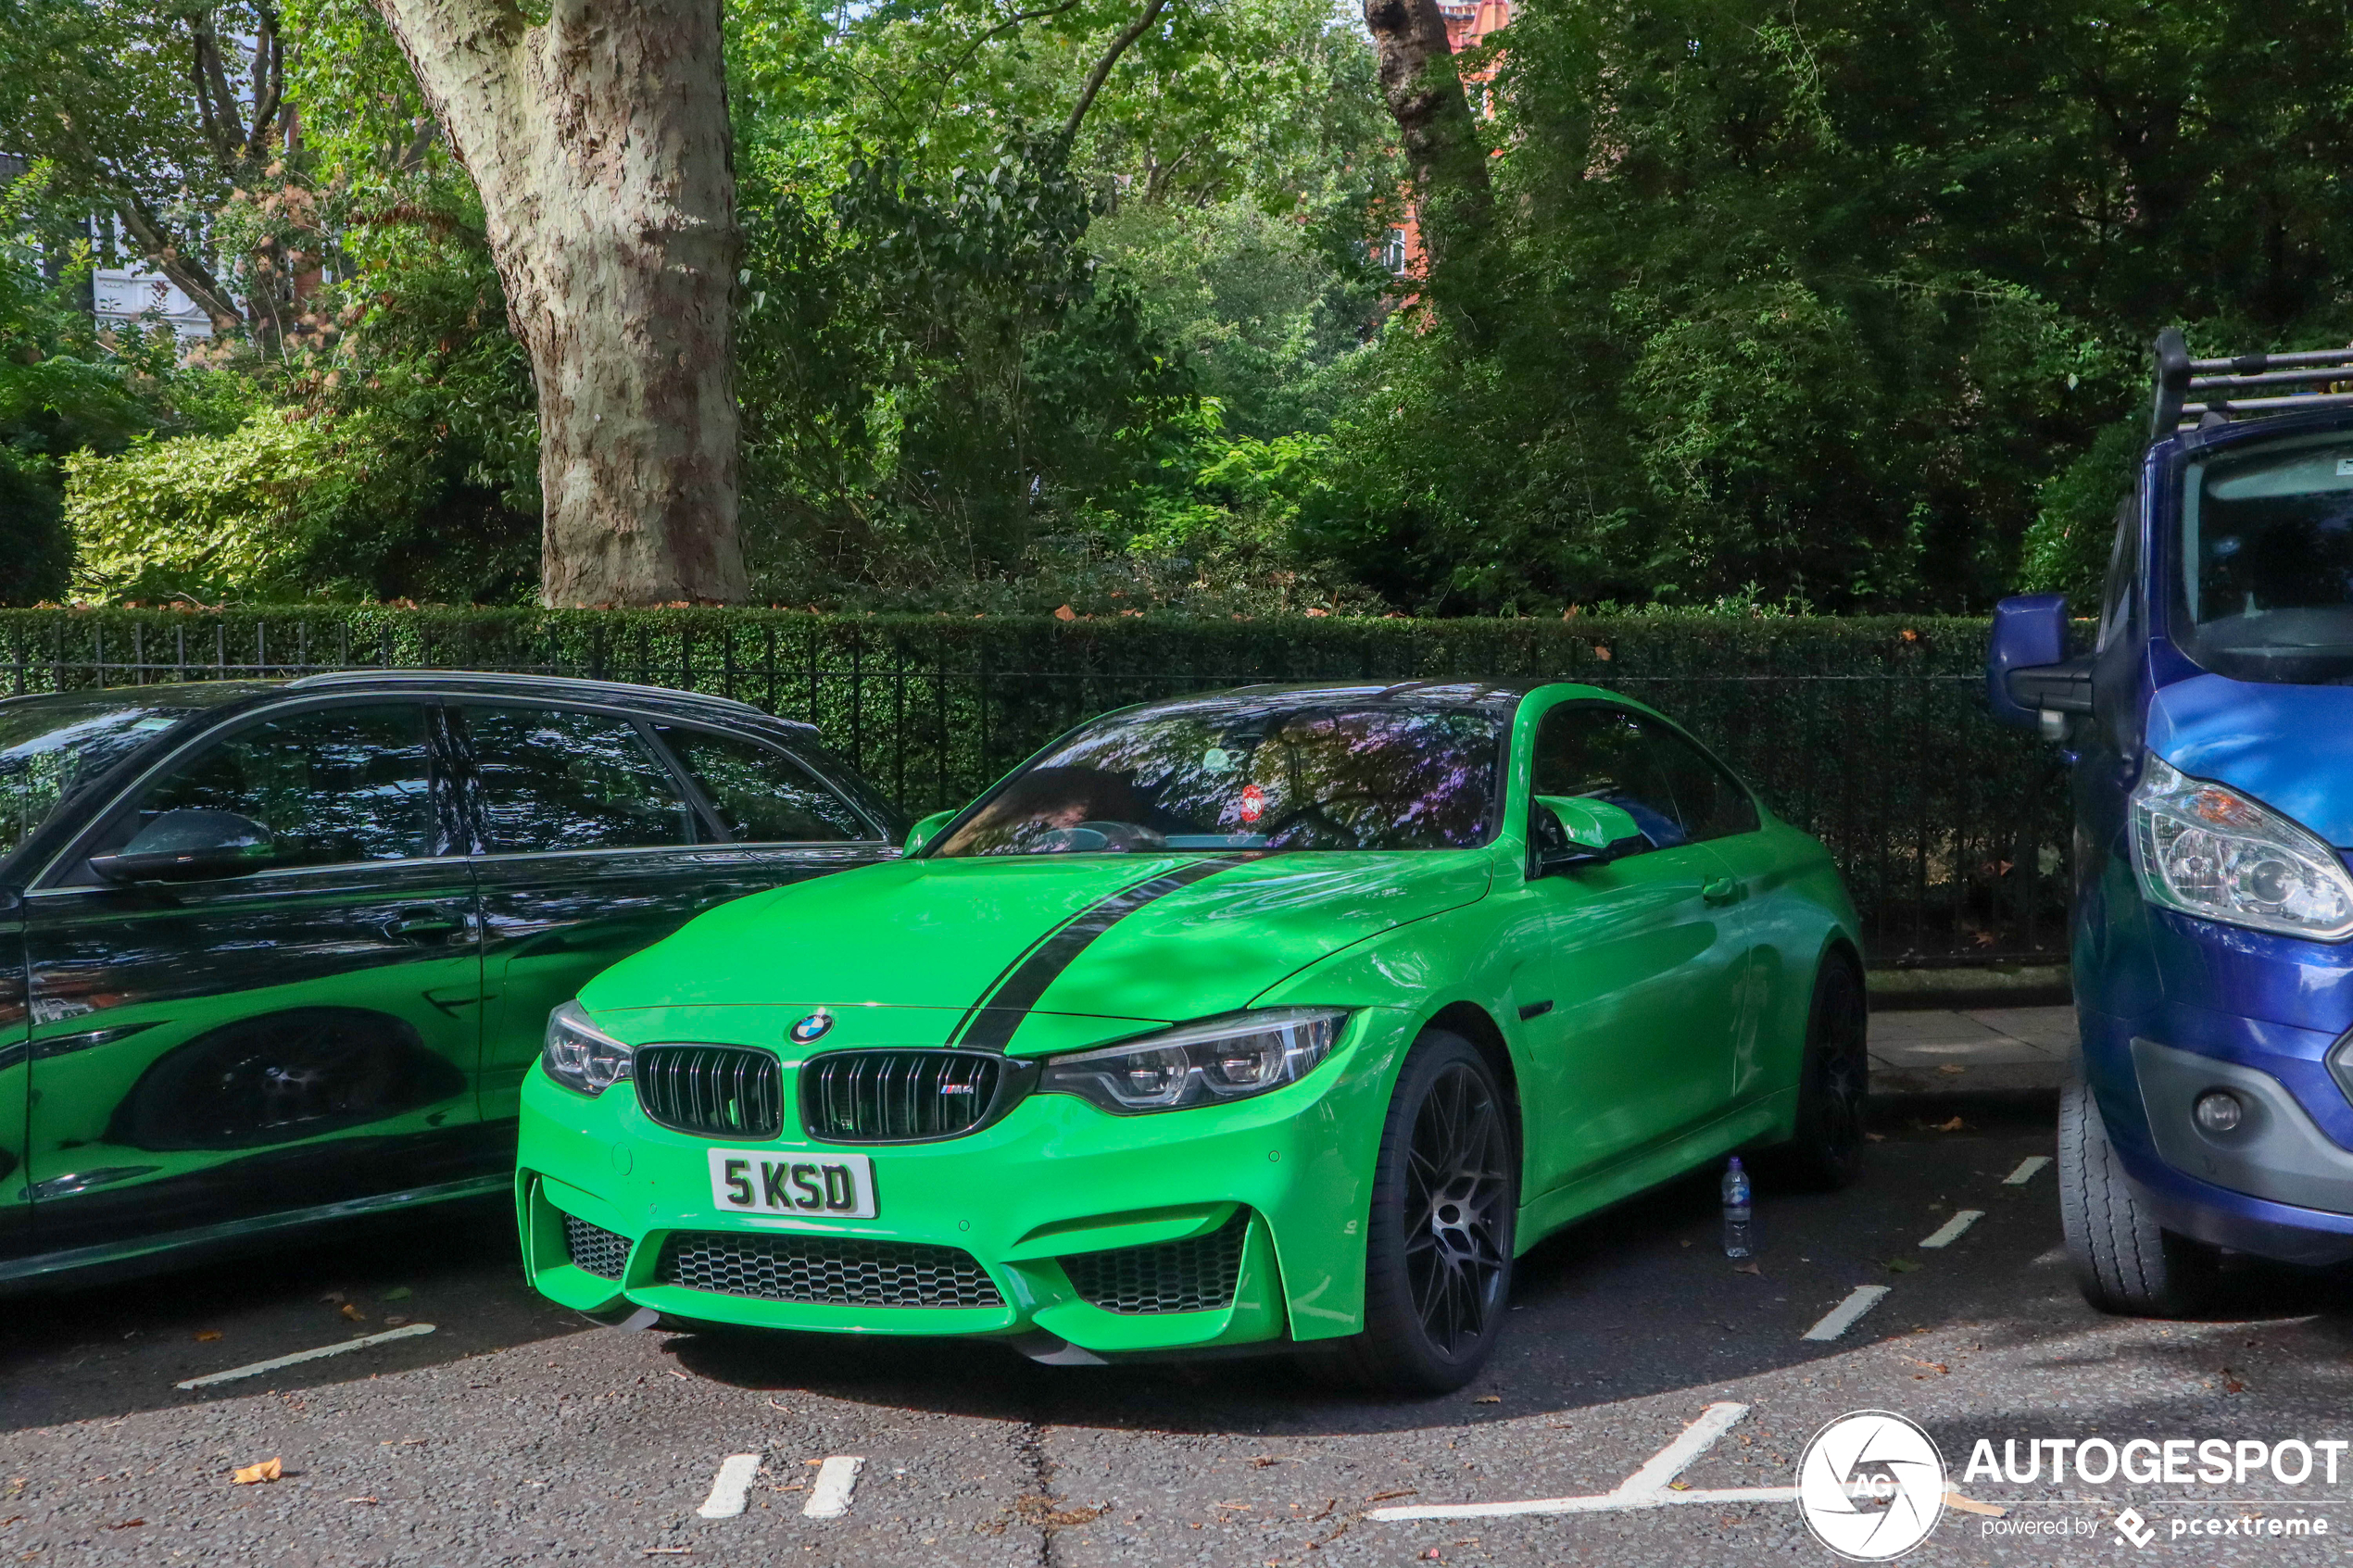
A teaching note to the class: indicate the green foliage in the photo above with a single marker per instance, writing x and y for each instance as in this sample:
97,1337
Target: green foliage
2068,548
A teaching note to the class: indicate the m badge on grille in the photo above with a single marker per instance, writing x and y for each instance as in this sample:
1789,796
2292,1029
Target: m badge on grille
809,1028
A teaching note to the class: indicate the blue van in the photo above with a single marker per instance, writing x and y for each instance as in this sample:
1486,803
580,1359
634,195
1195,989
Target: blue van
2209,728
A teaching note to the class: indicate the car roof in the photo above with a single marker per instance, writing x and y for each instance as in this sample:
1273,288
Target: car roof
1485,695
498,682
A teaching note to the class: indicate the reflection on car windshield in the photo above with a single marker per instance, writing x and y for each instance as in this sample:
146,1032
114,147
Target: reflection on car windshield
2267,536
51,746
1260,774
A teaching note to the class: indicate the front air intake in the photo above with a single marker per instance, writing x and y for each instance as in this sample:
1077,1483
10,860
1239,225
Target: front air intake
905,1096
1197,1275
718,1091
594,1248
829,1271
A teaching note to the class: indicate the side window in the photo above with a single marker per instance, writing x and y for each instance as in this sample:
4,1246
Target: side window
1605,754
550,778
332,785
2124,565
762,796
1709,801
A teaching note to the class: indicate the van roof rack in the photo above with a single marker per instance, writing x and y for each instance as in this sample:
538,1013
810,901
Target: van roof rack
2178,376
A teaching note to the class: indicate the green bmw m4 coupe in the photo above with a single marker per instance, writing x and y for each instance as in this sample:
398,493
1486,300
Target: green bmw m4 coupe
1288,1015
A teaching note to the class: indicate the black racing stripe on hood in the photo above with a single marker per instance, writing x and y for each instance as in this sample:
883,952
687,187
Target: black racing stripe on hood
990,1024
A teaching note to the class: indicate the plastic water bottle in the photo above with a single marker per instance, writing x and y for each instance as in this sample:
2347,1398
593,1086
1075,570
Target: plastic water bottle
1736,1236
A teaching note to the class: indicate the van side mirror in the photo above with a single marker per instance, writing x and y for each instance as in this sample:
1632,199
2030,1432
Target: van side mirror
924,831
189,845
2029,682
1573,830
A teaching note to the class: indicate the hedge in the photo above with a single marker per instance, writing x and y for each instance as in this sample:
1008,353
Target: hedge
1868,732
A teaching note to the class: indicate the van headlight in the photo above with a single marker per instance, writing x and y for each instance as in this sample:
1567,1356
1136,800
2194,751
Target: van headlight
1205,1063
579,1055
2205,849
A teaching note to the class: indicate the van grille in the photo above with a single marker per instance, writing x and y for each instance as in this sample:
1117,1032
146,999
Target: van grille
835,1270
1197,1275
900,1096
721,1091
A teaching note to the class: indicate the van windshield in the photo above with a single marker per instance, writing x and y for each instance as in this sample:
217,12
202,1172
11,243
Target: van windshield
2267,553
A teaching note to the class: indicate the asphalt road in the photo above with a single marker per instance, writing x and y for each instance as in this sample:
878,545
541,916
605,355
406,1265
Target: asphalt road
517,1433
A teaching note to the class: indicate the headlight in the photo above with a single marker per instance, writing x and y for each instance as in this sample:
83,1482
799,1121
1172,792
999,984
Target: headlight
1205,1063
2207,850
579,1055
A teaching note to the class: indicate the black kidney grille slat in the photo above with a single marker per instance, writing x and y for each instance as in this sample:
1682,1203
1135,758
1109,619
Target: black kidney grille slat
719,1091
899,1097
838,1271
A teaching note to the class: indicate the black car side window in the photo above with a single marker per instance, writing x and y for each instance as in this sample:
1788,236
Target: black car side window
551,778
1709,801
1606,753
762,796
332,785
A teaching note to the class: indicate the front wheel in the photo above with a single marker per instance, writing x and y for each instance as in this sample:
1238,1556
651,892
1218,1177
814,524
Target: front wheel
2124,1262
1438,1264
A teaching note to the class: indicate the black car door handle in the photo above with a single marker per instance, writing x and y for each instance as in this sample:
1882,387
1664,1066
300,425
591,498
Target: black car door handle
423,924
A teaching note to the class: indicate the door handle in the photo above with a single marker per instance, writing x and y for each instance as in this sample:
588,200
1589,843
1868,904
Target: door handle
1723,890
423,924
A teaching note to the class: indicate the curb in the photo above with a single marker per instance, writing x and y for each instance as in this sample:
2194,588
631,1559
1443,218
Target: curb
1995,985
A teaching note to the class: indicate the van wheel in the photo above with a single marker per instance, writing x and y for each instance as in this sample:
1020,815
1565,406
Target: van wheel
1825,1150
1438,1265
2124,1262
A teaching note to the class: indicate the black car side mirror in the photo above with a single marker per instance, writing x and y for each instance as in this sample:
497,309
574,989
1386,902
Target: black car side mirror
189,845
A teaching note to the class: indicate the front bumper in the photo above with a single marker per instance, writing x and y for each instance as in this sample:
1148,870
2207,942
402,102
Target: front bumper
1271,1191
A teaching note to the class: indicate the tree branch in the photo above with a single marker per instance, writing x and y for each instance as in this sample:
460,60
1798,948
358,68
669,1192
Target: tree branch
219,106
1095,78
190,276
268,82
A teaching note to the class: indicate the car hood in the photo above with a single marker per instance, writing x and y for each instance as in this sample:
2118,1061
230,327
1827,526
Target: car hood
987,943
2289,746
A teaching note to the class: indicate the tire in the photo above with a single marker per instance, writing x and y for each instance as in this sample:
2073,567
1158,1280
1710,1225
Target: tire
1438,1265
2125,1262
1825,1151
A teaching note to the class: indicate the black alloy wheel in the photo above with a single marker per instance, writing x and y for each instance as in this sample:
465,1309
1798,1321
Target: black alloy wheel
1438,1266
1825,1151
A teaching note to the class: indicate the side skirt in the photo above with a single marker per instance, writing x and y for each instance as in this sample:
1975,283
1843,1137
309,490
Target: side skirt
1567,1204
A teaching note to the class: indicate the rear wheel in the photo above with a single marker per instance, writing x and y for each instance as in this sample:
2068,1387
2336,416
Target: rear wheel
2124,1261
1825,1150
1438,1261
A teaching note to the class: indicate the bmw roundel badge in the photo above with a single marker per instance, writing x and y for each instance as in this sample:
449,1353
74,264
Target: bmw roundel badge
809,1028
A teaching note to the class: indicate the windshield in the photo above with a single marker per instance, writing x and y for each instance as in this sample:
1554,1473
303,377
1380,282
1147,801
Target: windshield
52,746
1242,774
2267,548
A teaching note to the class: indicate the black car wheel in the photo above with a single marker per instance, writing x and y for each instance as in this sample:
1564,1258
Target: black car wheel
2124,1261
1438,1261
1825,1151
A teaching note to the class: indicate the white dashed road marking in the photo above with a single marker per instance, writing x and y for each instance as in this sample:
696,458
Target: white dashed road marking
2026,1169
407,1331
829,1498
1647,1487
1840,1318
1950,1231
730,1486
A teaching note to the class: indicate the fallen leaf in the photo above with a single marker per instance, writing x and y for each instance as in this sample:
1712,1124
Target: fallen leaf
1876,1137
127,1524
396,1323
207,1335
397,1293
1748,1269
1488,1399
1384,1497
1949,1067
332,1296
267,1469
1902,1266
354,1313
1952,1126
368,1501
670,1552
1970,1505
1065,613
1932,1366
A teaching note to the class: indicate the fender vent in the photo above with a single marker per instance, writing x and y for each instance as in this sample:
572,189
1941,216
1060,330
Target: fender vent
595,1250
1197,1275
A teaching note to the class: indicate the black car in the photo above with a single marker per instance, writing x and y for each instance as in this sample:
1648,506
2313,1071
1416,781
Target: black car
278,952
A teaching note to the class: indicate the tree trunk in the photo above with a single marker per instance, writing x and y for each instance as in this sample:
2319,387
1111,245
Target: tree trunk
1434,123
600,144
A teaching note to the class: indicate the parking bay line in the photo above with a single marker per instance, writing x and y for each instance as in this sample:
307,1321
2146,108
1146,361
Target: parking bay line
829,1498
1950,1231
406,1331
1840,1318
1647,1487
2026,1169
731,1486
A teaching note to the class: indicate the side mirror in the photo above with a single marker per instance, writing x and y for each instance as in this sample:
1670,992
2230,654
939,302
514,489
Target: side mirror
922,832
1572,831
189,845
2029,682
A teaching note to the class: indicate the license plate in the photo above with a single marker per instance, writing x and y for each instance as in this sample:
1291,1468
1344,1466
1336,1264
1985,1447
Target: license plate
829,1187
